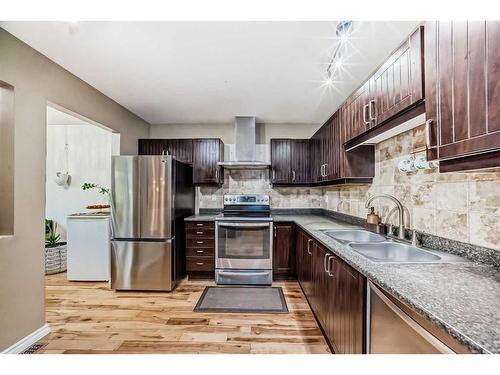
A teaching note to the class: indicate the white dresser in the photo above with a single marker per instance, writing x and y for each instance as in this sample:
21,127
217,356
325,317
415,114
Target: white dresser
89,247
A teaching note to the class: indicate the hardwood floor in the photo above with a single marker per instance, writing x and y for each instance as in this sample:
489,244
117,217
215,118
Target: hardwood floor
87,317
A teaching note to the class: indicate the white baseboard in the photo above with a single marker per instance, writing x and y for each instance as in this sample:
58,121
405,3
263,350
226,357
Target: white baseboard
29,340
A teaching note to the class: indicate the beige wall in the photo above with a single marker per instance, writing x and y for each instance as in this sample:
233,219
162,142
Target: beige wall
226,131
37,80
6,159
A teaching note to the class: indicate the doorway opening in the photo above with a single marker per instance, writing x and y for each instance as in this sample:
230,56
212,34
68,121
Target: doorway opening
77,181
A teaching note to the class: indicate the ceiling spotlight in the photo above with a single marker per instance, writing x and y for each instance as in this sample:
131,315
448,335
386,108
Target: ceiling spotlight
329,81
344,29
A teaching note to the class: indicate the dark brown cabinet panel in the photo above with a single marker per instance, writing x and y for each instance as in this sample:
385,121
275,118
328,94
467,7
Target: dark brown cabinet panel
280,161
315,157
399,83
300,161
290,161
284,257
203,153
304,257
200,249
356,110
207,153
182,149
335,292
462,83
395,88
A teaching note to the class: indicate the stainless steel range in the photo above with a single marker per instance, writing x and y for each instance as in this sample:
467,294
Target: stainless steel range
244,241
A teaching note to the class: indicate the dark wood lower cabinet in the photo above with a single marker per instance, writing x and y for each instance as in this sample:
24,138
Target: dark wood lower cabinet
335,292
284,251
200,249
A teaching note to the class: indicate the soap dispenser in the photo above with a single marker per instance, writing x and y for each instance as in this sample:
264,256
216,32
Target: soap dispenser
372,221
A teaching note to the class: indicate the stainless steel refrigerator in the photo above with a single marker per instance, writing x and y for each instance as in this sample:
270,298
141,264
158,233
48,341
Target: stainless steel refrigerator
150,197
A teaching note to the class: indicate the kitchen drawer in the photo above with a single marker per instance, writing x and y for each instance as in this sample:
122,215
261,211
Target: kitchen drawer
200,251
200,233
196,263
200,242
200,225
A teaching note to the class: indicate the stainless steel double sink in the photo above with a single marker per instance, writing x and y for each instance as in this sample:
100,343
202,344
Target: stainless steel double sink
379,248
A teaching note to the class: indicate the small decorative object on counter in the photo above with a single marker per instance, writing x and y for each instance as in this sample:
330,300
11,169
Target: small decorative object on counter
103,190
55,251
372,221
98,206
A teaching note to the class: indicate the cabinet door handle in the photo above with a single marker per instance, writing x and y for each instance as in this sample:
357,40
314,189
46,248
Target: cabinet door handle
199,232
274,175
370,114
325,266
274,230
200,242
217,173
428,124
200,251
200,263
309,246
326,166
330,273
293,175
365,107
199,224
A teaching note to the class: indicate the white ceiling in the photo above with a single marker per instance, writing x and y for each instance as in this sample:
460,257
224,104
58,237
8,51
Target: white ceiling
209,72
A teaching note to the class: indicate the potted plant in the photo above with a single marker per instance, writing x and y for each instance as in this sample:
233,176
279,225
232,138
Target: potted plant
55,250
102,190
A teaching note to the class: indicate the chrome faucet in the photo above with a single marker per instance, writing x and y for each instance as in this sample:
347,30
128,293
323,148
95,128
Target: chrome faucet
401,233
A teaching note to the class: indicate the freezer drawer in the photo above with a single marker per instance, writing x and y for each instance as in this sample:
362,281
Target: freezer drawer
138,265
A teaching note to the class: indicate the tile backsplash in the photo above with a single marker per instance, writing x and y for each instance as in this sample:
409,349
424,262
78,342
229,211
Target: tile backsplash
460,206
257,182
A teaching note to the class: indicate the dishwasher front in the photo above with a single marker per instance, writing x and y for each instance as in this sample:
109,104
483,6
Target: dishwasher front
391,331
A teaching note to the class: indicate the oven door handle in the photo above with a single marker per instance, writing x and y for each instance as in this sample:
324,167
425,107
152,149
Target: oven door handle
244,225
229,273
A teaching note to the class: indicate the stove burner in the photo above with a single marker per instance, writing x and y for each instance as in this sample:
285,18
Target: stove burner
246,207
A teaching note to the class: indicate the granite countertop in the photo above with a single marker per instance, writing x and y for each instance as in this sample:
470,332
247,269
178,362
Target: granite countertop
202,217
462,298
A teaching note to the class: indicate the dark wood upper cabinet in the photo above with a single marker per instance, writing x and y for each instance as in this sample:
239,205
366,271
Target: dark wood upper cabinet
290,161
284,257
182,149
300,161
330,163
203,153
207,153
399,83
315,157
396,87
280,161
462,87
356,110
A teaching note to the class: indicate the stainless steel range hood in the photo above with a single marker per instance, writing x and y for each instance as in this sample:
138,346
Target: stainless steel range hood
245,146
